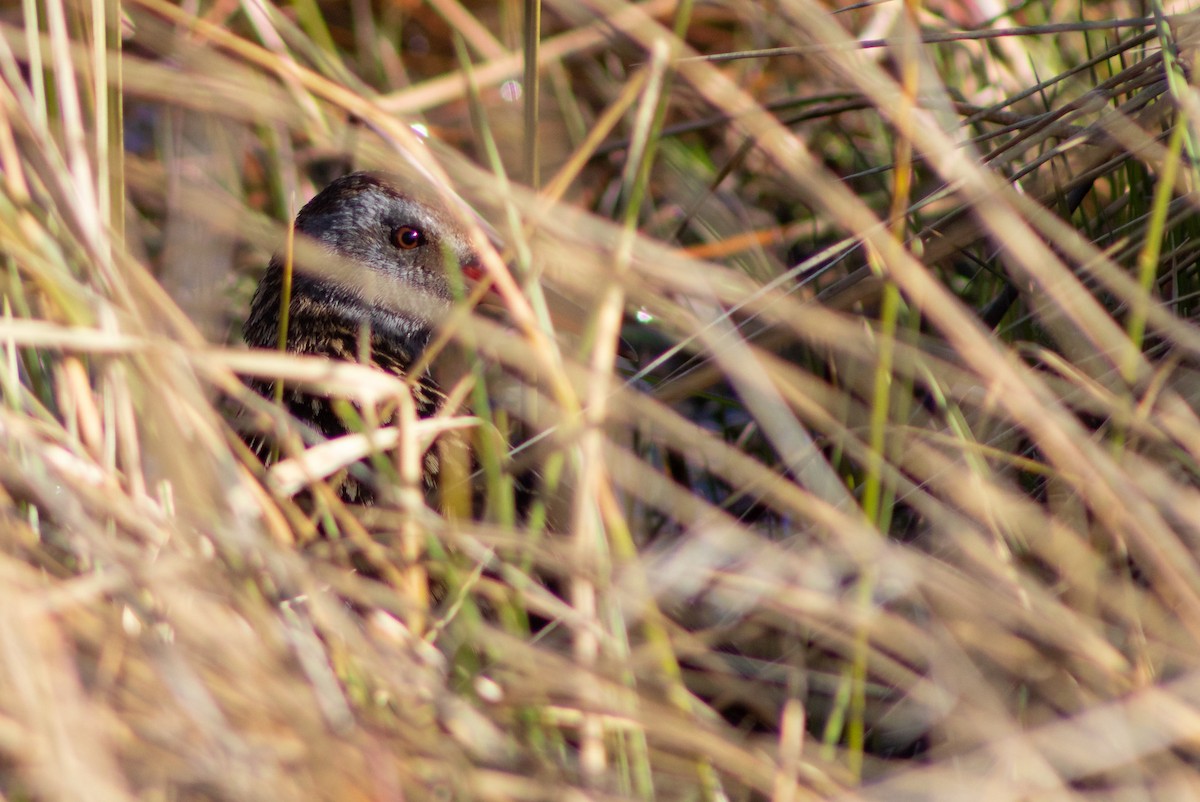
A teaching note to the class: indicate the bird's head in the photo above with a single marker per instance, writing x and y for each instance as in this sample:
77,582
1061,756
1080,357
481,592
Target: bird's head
393,254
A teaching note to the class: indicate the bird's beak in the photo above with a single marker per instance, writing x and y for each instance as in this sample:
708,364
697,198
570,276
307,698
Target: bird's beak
481,290
473,272
474,275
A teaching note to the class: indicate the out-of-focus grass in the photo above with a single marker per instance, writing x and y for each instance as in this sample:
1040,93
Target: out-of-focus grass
857,374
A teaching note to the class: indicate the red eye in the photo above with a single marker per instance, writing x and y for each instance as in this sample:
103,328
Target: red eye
407,238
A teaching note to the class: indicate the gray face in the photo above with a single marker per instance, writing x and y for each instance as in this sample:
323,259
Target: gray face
405,244
394,252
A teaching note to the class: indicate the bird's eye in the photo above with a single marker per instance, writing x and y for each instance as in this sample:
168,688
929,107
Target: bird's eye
406,238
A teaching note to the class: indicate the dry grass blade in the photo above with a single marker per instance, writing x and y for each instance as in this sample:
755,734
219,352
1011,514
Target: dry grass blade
825,427
322,461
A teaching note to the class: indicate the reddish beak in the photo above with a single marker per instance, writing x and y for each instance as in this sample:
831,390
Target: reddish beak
474,272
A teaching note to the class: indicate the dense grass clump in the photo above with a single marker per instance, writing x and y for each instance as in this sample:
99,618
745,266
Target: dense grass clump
826,426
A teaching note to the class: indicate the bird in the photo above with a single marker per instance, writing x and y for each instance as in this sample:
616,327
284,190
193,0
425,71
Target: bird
386,285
